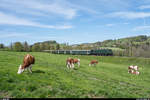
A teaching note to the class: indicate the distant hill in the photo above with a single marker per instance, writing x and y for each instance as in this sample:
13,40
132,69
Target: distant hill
120,43
47,42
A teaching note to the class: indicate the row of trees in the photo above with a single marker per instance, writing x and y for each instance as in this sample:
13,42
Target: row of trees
133,46
37,47
142,50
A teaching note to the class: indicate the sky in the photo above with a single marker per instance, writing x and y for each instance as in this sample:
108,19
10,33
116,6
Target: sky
72,21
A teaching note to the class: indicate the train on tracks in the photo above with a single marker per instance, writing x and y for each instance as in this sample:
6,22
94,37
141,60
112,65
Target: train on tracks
99,52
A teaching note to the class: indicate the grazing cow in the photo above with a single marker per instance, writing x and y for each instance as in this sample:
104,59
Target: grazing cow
70,63
27,63
93,62
76,61
133,68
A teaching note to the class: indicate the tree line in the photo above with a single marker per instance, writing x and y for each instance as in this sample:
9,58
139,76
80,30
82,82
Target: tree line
25,47
138,46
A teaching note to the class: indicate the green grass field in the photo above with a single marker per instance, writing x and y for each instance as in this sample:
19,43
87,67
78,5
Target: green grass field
51,78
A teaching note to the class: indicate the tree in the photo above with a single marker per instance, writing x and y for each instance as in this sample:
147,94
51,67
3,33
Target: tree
57,47
36,48
17,46
1,46
26,46
52,47
42,46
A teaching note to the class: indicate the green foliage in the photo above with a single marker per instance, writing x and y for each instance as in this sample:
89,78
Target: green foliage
57,47
36,48
51,78
26,47
17,46
2,46
137,46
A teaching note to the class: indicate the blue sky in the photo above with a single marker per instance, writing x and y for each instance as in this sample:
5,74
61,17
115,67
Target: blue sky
73,21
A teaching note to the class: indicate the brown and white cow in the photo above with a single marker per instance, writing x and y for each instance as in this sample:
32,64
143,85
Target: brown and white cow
70,62
133,70
27,63
93,62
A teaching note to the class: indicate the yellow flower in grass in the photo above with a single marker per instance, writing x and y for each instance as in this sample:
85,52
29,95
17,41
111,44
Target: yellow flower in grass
24,90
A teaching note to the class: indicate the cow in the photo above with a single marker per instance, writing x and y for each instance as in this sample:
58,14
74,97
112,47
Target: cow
133,68
70,63
76,61
93,62
27,64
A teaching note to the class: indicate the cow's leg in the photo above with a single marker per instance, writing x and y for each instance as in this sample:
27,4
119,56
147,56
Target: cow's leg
78,64
27,69
72,65
68,65
30,68
128,71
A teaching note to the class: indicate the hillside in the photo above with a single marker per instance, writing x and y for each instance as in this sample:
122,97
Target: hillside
137,46
121,43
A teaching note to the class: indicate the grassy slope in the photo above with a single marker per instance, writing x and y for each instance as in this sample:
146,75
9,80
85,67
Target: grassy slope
51,78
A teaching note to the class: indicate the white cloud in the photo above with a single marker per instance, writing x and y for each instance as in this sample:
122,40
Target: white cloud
10,35
13,20
140,28
129,15
126,23
144,7
110,25
116,24
38,8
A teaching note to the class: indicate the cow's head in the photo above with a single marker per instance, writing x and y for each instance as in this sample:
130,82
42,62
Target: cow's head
20,70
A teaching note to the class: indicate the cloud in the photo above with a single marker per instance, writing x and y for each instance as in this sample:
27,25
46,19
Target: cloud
39,8
12,34
13,20
126,23
116,24
110,25
129,15
81,7
140,28
144,7
19,35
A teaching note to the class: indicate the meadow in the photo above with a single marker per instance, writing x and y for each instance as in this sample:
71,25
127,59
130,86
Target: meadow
52,79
